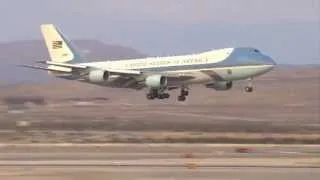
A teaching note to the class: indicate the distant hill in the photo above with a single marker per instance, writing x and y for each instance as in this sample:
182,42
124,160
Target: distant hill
298,65
27,52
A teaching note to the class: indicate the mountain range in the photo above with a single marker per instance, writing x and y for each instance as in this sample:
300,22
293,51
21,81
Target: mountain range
27,52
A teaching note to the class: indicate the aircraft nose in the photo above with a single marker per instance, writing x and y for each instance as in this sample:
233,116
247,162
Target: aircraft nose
269,61
273,62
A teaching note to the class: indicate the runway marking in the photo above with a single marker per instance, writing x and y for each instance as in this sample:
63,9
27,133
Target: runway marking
175,145
184,114
163,166
172,162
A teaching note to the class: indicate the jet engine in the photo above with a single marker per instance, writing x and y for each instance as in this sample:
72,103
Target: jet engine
156,81
98,76
220,85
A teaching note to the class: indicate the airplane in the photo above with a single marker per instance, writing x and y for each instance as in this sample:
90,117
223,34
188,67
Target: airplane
215,69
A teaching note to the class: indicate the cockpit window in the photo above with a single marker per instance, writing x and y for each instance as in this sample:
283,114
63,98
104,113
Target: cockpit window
256,50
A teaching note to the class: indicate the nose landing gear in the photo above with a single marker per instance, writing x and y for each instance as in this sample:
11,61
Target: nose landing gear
249,87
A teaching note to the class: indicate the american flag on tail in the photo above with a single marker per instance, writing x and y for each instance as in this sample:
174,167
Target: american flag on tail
57,44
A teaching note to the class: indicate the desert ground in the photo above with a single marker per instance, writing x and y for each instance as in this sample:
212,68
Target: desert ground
158,161
69,130
284,107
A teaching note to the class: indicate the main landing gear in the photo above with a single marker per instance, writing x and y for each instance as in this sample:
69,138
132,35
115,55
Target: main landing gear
155,93
249,87
183,93
159,94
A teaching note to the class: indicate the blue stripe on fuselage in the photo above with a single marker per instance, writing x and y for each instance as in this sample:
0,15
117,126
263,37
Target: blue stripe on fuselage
238,57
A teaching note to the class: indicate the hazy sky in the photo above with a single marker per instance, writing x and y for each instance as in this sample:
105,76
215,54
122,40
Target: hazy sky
175,26
195,11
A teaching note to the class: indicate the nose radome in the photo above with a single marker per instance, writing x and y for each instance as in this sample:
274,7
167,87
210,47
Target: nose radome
269,60
271,63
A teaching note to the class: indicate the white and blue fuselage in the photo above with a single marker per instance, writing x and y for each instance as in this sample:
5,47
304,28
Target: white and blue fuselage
228,64
216,69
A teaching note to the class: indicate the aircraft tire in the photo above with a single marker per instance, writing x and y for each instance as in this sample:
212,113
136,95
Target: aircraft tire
164,96
161,96
185,93
249,89
150,96
181,98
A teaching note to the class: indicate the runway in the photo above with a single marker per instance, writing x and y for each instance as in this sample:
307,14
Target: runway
158,161
136,173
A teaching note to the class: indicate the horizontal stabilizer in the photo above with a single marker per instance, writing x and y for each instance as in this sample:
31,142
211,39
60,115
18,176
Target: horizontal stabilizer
43,68
75,66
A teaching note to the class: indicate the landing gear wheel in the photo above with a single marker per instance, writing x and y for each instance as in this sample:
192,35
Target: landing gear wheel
184,93
249,89
163,96
166,95
153,93
150,96
181,98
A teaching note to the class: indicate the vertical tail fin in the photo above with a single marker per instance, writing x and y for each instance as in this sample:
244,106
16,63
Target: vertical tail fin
60,49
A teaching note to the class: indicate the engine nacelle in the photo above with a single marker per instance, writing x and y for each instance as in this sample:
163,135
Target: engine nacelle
220,85
156,81
98,76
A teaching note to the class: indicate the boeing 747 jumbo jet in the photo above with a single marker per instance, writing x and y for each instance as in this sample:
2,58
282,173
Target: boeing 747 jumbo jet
216,69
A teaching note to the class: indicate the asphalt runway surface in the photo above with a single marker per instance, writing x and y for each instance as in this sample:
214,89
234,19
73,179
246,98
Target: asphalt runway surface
159,161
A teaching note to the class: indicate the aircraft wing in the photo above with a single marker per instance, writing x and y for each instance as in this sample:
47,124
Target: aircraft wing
125,78
77,67
124,72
